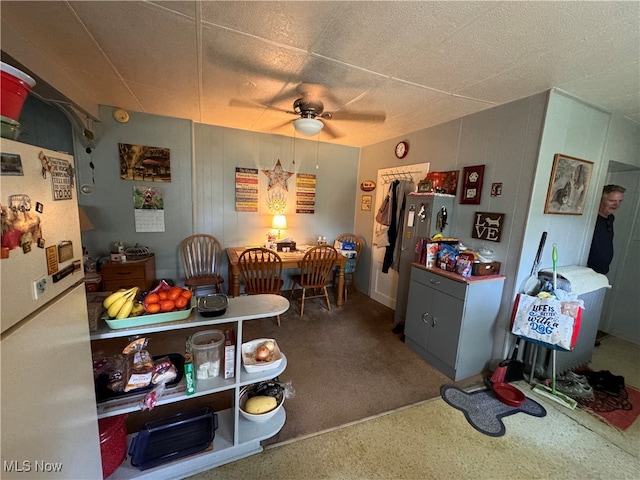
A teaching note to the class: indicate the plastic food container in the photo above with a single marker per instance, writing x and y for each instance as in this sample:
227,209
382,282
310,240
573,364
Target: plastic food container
208,357
213,305
249,362
113,443
10,128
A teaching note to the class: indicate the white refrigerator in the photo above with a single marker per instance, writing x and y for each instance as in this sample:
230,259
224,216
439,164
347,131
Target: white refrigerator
48,411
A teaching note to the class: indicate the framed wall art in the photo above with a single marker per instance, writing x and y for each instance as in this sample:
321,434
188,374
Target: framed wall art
568,185
472,185
365,203
488,226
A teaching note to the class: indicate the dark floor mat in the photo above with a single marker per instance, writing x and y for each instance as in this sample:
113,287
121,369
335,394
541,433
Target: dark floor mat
484,411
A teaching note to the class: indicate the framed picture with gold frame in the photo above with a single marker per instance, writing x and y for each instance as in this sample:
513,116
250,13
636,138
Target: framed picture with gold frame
472,185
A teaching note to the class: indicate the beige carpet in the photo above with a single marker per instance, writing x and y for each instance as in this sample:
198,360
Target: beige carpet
434,441
345,365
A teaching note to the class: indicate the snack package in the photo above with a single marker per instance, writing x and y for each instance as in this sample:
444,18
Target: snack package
464,264
447,256
164,371
116,370
139,365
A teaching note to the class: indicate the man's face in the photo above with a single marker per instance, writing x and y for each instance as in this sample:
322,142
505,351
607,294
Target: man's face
610,203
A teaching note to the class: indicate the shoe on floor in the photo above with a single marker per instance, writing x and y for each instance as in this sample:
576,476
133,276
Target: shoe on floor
575,389
604,381
574,377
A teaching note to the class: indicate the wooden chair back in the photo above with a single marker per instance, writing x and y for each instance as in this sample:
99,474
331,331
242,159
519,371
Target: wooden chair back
352,238
315,270
316,266
201,256
261,271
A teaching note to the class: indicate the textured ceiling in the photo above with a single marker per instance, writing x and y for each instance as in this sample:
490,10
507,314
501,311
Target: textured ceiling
421,63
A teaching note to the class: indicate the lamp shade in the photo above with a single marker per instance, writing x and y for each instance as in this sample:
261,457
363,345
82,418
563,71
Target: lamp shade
85,223
308,126
279,222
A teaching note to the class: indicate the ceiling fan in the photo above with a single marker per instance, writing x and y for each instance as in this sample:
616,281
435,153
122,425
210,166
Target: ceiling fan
312,117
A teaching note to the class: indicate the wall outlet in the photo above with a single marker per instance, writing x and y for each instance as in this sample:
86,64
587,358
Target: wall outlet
39,287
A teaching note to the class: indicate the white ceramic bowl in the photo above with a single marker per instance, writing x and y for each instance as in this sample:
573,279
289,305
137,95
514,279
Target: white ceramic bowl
262,417
249,362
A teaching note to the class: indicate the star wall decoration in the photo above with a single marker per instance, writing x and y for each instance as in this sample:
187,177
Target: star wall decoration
277,176
276,202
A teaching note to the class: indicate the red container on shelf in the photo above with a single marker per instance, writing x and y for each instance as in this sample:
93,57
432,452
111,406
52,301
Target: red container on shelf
113,443
15,86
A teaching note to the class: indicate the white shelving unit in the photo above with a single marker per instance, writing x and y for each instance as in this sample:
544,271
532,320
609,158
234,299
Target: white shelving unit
235,437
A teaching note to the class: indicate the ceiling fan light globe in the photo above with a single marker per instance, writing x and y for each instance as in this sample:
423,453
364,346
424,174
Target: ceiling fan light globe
308,126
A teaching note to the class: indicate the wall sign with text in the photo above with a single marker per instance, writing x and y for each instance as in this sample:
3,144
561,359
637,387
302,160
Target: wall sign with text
487,226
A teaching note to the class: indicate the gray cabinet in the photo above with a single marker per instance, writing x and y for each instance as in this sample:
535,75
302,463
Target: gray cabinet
450,319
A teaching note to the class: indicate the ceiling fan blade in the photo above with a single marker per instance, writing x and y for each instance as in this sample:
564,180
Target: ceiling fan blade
238,102
314,89
303,90
332,132
281,125
376,117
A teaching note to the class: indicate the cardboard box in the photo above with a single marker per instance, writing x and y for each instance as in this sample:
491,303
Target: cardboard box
229,353
95,308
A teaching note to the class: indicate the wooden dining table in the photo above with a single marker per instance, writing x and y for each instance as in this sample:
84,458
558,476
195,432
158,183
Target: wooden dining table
289,260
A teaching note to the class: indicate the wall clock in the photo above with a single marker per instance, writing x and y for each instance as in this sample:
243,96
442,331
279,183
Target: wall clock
472,185
402,148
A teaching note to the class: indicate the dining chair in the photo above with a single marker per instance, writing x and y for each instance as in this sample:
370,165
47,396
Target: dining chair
351,264
261,271
201,254
315,272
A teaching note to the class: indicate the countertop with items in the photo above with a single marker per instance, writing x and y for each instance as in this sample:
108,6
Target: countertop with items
456,276
450,255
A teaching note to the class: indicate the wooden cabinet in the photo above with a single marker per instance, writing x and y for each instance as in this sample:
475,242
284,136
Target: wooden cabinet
236,437
450,319
133,273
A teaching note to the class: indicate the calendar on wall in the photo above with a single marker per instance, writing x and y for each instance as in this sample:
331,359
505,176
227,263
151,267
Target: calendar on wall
148,207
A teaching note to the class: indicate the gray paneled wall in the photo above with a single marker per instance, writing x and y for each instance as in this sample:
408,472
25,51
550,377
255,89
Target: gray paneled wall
205,201
218,151
110,206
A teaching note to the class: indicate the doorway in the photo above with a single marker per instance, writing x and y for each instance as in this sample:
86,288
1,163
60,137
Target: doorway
383,286
621,306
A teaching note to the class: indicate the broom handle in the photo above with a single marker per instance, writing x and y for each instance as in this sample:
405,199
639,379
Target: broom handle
514,355
554,258
553,371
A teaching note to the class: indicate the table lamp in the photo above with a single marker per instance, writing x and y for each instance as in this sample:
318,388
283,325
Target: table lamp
279,223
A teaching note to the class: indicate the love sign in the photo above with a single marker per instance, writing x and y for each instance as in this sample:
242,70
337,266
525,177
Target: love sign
488,226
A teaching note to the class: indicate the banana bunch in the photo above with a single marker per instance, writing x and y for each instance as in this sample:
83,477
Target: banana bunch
120,304
138,309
